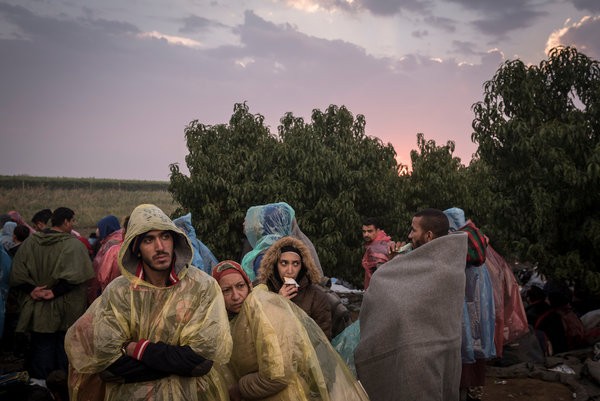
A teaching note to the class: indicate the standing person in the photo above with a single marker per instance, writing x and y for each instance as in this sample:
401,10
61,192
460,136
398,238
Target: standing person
108,233
410,319
279,353
288,258
479,315
377,244
40,219
50,272
20,234
157,330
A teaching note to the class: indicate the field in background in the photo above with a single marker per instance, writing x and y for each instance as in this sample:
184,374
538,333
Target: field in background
90,198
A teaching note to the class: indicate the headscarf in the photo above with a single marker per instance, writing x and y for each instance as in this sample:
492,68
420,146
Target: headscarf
226,267
107,225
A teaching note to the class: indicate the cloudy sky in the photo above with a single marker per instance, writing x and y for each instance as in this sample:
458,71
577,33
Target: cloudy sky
105,88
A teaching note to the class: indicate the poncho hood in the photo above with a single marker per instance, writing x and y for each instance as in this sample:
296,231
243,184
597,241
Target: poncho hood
146,218
266,271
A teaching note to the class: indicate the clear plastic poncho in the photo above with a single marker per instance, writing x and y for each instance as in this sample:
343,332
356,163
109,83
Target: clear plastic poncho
189,312
273,336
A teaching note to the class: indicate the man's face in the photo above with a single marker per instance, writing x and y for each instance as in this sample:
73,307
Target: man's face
68,225
235,290
289,265
417,235
369,233
156,250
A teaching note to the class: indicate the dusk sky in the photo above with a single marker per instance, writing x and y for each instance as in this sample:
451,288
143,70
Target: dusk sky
105,88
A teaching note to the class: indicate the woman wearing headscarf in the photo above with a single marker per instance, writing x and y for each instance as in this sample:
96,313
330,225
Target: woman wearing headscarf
289,270
279,353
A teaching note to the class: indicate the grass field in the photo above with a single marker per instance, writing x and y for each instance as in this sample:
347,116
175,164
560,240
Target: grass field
89,201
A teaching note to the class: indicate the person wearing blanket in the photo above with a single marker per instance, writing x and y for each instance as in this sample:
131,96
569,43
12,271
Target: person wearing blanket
410,318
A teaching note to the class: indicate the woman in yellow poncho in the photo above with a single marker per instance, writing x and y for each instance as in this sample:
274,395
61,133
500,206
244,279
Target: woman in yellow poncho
159,331
279,353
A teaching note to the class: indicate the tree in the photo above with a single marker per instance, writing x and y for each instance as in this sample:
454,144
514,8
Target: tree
328,170
437,179
538,130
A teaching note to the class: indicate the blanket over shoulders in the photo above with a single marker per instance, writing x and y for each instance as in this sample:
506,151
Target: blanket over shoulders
410,324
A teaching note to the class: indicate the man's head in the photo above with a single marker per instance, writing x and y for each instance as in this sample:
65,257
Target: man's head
370,229
20,233
155,249
63,219
40,219
234,283
427,225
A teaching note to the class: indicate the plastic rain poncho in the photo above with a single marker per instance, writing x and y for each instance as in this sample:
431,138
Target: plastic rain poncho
264,225
275,338
203,257
478,309
189,312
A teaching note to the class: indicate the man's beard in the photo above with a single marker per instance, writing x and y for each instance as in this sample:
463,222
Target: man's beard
150,263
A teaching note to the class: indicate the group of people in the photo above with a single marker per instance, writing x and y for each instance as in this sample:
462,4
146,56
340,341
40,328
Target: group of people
164,329
147,312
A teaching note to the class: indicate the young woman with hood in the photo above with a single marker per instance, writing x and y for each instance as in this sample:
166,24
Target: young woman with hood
288,258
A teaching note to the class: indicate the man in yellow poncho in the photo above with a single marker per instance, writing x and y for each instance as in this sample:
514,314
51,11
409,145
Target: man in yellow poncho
159,331
279,353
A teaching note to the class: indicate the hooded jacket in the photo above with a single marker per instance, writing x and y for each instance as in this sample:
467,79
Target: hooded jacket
51,258
311,297
188,313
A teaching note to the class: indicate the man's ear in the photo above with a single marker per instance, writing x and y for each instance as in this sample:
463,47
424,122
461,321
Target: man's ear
429,235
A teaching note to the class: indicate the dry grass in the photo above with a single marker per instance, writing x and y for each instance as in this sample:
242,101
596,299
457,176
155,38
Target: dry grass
90,205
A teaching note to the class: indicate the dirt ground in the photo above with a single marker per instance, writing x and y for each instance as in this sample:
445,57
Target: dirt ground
521,389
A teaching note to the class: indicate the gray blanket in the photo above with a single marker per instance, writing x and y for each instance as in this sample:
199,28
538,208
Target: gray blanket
410,324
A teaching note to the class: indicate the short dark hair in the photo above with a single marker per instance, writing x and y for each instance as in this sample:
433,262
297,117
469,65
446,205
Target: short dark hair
434,220
60,215
42,216
21,232
371,221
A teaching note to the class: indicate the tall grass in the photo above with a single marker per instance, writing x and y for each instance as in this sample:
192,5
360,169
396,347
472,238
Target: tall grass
90,205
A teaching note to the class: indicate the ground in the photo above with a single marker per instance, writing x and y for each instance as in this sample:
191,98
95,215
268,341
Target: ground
521,389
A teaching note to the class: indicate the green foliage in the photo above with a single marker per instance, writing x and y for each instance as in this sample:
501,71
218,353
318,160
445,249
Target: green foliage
328,170
437,179
538,130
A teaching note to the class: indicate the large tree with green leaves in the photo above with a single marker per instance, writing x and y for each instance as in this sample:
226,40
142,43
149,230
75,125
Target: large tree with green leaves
328,170
538,130
437,179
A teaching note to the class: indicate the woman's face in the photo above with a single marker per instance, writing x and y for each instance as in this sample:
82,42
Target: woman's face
289,265
235,290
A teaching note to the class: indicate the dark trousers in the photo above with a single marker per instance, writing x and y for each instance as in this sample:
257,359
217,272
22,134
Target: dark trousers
47,353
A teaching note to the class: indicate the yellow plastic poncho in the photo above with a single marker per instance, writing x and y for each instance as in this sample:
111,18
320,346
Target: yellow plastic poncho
189,312
275,340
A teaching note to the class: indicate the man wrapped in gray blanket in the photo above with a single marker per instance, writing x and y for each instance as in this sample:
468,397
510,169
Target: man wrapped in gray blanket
410,318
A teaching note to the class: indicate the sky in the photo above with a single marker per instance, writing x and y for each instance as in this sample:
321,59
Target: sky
105,88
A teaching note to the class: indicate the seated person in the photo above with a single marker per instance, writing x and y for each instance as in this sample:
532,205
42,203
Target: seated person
278,352
288,258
